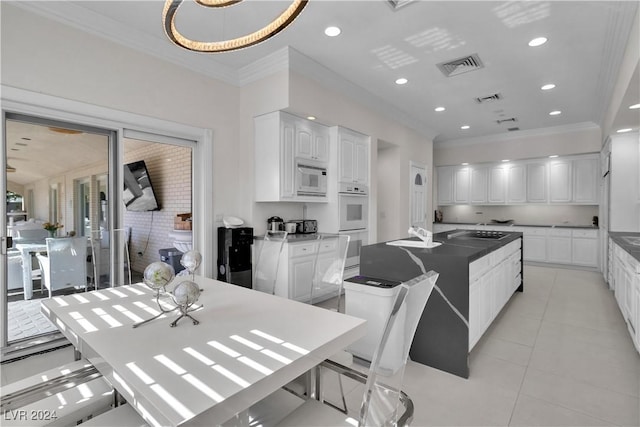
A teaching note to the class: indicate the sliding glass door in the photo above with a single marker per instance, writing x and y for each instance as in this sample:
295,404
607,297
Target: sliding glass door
50,169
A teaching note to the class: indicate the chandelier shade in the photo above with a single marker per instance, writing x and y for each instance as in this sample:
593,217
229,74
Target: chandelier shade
274,27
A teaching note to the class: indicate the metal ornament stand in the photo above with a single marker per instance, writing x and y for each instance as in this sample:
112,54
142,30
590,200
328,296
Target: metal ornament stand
188,297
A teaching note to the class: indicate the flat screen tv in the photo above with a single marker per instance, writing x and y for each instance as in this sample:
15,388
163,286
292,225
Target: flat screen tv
138,193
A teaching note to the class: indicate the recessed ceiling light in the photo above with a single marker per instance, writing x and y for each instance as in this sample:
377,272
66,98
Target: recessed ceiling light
465,127
311,117
555,113
332,31
505,160
465,164
624,130
538,41
548,86
401,81
438,109
634,107
553,156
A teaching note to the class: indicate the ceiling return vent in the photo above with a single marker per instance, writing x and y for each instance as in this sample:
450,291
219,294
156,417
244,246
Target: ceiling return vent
488,98
461,65
512,120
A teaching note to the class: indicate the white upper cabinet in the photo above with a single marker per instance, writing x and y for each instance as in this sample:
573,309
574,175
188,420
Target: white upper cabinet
537,183
445,185
280,138
560,182
517,183
585,181
478,185
461,180
497,184
353,149
312,141
568,180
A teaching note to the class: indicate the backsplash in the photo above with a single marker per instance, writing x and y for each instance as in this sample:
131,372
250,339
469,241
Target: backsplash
522,214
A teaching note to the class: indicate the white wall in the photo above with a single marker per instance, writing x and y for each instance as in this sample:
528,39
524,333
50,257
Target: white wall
331,107
586,138
624,204
522,214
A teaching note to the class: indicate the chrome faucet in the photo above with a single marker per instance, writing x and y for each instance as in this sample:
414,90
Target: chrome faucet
425,235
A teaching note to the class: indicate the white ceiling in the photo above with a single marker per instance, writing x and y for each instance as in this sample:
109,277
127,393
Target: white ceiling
586,42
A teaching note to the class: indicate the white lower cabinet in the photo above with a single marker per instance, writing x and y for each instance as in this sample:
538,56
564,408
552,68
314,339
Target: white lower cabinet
559,246
492,280
625,273
295,269
584,247
535,244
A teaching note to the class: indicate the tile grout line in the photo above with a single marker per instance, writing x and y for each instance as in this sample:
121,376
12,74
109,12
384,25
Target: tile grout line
526,369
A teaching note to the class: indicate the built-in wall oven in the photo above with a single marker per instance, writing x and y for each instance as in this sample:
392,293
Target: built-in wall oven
353,207
353,210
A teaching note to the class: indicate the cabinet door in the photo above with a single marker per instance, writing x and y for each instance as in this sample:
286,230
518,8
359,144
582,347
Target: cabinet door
474,313
560,182
361,167
559,249
585,185
321,145
478,185
585,252
516,184
497,185
445,185
347,160
537,183
461,180
535,248
304,141
287,165
300,272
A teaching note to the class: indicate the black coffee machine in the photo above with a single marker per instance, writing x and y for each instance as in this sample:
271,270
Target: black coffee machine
234,255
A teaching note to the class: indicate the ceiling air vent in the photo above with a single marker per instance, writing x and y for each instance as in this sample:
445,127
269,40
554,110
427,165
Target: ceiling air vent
512,119
488,98
461,65
513,129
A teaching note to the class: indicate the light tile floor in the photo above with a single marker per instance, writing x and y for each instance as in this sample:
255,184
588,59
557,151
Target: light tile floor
559,354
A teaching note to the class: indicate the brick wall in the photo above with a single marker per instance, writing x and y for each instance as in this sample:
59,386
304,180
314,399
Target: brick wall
169,169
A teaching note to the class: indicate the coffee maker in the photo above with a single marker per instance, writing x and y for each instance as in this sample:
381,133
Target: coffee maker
234,255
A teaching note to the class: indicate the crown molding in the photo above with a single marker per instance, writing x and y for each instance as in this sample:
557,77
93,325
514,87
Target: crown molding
264,67
85,20
555,130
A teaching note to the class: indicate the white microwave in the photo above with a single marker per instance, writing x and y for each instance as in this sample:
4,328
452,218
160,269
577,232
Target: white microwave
311,179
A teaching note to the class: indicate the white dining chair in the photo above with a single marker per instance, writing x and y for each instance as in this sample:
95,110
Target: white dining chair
328,270
382,395
99,263
265,270
65,264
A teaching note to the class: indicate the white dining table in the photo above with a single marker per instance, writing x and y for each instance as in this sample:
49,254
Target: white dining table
246,346
26,250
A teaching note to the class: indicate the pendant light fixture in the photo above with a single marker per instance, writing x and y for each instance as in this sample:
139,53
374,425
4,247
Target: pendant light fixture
260,35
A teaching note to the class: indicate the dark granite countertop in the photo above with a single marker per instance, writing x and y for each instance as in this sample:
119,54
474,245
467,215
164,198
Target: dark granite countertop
516,224
467,247
619,239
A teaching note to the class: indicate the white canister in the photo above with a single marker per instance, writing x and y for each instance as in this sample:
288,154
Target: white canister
290,227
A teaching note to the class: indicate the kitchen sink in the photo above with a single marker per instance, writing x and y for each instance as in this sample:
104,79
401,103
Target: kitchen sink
632,240
414,244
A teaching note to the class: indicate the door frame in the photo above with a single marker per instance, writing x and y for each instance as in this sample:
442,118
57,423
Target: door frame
20,101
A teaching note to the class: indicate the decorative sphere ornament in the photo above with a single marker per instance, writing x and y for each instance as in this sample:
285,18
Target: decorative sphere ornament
186,293
158,274
191,260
